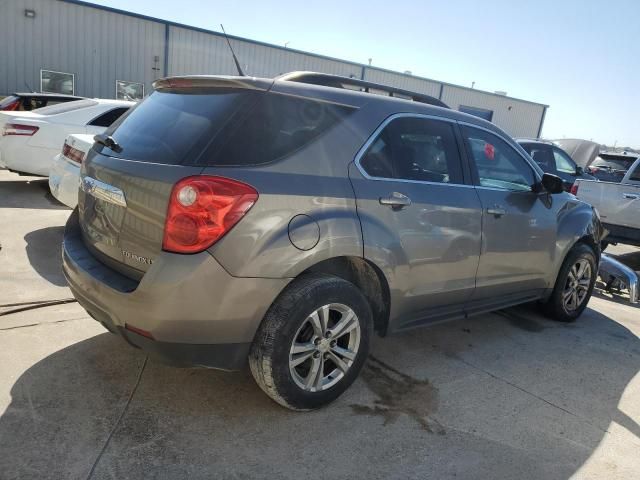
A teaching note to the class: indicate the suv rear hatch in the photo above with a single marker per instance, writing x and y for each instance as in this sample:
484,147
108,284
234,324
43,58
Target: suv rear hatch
125,189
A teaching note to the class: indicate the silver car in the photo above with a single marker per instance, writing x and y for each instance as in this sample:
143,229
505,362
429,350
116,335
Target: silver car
283,221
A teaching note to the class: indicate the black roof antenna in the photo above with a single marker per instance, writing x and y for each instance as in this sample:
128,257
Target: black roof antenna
235,59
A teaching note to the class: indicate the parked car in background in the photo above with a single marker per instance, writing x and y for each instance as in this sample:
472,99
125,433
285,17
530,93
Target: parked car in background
64,175
25,102
611,166
552,159
30,140
282,221
618,204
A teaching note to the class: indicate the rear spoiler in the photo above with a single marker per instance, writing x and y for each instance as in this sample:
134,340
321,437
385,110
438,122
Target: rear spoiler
208,81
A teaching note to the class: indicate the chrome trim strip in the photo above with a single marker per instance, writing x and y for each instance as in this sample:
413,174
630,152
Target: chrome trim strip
611,266
103,191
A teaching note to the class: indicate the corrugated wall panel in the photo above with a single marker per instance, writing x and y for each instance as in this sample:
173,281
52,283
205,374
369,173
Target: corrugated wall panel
197,53
517,118
98,47
399,80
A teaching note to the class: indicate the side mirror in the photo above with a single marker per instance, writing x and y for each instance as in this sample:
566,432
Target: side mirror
552,183
579,171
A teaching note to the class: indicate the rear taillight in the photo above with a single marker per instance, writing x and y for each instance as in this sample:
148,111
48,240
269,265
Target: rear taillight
17,129
574,189
11,107
72,153
202,209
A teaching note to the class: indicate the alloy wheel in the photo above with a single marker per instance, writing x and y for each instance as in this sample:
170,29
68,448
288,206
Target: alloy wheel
324,347
577,285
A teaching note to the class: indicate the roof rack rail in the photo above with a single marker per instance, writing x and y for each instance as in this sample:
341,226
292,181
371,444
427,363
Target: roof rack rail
338,81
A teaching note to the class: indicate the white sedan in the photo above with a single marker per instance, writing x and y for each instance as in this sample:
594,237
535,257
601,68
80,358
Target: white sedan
30,140
64,176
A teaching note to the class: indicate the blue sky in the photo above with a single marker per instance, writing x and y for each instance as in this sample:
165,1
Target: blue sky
580,57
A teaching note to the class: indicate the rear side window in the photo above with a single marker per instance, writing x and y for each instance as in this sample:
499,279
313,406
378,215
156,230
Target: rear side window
107,118
224,127
563,162
413,148
273,127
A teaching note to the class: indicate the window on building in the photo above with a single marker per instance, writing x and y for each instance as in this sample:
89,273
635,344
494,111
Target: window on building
477,112
57,82
129,90
412,148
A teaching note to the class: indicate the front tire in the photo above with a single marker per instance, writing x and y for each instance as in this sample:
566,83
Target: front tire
574,285
312,342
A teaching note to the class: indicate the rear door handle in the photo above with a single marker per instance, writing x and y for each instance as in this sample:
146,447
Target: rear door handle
630,196
396,201
496,210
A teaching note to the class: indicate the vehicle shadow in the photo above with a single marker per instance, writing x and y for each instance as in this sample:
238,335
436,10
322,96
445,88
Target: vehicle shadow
180,423
43,251
30,192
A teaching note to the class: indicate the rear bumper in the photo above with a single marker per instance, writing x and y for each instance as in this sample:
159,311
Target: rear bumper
64,181
196,313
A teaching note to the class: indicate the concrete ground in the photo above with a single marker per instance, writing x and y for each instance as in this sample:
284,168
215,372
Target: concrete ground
505,395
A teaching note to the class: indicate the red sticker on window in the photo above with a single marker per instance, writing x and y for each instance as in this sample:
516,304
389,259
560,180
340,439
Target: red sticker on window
489,151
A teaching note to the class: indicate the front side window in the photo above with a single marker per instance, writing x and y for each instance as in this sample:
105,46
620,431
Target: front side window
57,82
563,162
498,164
413,148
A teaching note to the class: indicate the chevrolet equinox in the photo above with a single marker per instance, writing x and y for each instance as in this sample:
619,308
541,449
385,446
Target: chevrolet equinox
283,221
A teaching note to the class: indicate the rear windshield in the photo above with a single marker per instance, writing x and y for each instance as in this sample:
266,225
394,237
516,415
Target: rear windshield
615,162
7,101
66,107
221,128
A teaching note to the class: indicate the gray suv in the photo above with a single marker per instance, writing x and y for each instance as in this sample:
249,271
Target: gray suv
283,221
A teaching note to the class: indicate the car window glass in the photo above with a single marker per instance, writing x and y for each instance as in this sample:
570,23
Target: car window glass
635,175
411,148
107,118
498,164
563,162
543,156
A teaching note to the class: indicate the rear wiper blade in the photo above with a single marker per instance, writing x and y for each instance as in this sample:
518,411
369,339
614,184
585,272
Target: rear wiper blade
108,142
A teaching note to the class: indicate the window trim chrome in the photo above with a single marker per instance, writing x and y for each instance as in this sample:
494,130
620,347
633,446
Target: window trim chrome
373,137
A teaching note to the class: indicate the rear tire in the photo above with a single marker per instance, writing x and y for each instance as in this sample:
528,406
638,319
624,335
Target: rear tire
303,357
574,285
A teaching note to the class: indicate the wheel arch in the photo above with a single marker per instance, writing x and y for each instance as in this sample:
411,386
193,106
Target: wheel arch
369,279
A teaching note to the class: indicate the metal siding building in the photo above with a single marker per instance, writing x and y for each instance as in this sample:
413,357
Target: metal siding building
100,45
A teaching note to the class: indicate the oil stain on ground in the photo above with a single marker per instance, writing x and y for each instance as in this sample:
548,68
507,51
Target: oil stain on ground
398,394
520,321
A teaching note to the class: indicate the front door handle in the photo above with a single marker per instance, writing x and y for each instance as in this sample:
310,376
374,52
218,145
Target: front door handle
496,210
396,201
630,196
